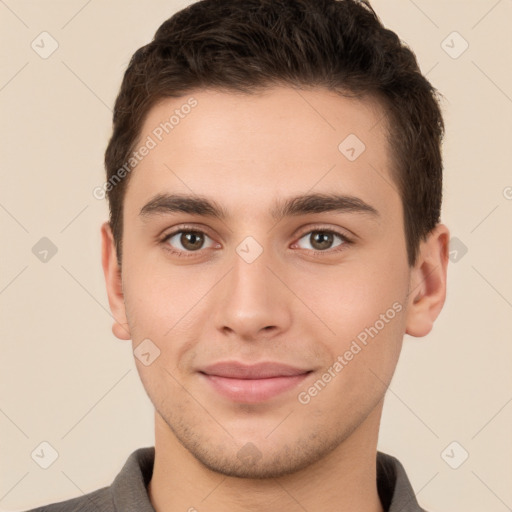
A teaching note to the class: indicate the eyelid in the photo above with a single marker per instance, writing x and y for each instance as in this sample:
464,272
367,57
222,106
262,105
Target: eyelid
195,226
328,229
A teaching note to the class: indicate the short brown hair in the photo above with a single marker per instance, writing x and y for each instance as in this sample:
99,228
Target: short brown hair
249,45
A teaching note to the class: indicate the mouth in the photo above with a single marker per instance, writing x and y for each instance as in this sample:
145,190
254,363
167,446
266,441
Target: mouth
252,383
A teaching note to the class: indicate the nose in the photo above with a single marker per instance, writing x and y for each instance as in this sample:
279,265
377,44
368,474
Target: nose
253,302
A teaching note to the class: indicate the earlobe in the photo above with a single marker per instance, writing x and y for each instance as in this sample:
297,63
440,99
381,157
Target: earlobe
113,283
427,287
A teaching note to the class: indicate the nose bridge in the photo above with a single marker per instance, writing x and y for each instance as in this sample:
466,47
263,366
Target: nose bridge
252,298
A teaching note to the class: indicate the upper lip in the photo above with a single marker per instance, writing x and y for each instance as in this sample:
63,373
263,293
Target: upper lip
264,370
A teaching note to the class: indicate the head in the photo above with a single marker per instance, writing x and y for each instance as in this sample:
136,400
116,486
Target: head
249,46
243,105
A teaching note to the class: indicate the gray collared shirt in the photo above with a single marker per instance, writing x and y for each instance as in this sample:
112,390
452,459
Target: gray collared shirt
128,492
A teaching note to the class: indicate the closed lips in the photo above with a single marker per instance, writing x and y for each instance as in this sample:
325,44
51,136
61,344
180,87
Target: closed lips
265,370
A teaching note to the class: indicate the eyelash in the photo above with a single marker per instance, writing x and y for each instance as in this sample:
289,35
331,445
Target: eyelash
190,229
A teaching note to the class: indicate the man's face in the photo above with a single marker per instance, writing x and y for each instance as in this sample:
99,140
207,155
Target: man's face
306,290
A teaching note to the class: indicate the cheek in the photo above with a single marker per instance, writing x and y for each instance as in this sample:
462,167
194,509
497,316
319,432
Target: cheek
153,290
169,306
347,299
361,362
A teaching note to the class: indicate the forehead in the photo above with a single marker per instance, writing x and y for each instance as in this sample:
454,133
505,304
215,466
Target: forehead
244,147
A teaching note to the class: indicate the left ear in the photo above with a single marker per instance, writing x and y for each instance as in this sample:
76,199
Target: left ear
427,286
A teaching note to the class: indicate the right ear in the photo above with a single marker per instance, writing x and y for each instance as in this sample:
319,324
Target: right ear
114,284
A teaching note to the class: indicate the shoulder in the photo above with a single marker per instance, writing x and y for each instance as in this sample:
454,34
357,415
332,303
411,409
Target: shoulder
128,491
100,500
97,501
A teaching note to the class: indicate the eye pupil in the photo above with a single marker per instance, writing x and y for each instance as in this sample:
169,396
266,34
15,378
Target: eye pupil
192,240
321,239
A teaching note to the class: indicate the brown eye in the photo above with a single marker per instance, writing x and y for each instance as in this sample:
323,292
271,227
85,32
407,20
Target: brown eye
321,240
188,241
191,240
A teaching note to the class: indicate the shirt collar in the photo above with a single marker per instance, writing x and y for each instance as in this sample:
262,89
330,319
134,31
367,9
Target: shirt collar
395,490
129,489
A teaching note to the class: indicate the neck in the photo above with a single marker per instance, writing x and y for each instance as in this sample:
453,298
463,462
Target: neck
345,480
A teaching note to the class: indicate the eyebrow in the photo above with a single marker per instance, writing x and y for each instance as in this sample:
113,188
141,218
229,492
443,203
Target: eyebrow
294,206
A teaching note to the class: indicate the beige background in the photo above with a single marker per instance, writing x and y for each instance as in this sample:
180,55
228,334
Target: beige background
66,380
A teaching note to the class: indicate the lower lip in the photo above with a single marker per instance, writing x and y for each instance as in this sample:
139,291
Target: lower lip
253,390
